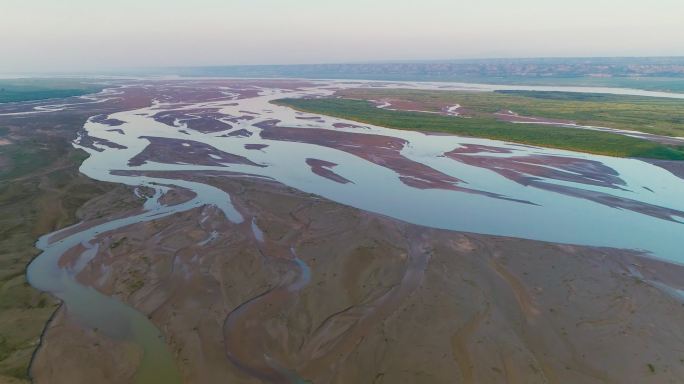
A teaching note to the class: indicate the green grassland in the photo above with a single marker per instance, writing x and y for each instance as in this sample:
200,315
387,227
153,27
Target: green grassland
16,90
645,114
483,125
41,190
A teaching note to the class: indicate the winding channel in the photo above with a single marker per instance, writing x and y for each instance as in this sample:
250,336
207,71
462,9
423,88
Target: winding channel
640,207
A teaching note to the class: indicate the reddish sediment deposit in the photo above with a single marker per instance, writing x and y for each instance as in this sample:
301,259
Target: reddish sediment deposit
256,146
103,119
381,150
539,170
324,168
172,151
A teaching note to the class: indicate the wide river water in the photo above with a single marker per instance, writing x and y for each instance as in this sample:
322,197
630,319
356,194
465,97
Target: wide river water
517,210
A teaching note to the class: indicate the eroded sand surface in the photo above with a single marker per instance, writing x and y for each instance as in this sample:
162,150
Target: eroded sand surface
277,246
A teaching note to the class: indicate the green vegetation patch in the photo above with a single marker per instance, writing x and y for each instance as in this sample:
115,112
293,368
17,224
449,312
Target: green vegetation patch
488,127
658,116
16,90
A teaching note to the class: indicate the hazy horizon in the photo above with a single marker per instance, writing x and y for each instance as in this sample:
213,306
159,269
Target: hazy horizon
80,35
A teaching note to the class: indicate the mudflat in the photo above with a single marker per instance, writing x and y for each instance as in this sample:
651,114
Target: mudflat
204,232
386,301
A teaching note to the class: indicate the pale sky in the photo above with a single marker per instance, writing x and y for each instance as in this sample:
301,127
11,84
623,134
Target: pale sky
76,35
